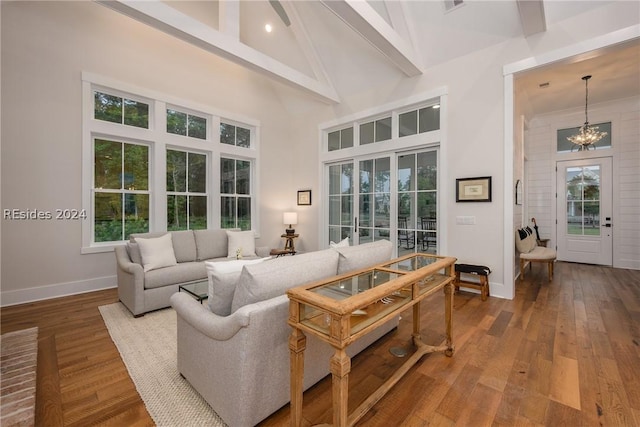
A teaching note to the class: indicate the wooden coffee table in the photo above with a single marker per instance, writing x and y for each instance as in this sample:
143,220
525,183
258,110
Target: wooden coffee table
342,309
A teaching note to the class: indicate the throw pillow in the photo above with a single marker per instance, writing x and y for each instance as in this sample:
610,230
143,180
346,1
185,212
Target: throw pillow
365,255
241,243
134,252
341,244
522,241
156,252
223,278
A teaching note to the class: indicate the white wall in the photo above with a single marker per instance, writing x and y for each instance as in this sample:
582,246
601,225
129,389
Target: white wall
541,152
45,48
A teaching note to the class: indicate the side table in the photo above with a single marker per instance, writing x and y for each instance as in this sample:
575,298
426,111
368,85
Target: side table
288,243
281,252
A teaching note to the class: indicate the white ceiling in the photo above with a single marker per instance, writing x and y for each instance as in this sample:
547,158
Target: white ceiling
331,51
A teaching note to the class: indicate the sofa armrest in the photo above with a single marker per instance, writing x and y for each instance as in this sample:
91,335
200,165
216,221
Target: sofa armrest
124,262
263,251
210,324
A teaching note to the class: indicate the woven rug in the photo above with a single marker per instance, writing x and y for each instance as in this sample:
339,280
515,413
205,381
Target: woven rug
148,348
18,364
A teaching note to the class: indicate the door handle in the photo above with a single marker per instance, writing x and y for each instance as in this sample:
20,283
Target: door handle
355,223
606,225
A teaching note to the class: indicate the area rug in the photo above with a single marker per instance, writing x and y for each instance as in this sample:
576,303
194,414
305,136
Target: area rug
18,365
148,348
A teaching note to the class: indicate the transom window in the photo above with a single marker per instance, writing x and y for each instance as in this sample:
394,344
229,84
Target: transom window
340,139
375,131
181,123
235,135
419,121
116,109
566,146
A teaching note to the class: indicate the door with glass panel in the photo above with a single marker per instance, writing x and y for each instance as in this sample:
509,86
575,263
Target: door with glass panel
392,197
417,208
584,211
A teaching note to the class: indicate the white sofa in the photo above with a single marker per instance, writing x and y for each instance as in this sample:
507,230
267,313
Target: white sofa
240,363
143,291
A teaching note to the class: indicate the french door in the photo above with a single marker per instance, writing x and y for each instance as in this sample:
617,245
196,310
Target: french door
391,196
584,211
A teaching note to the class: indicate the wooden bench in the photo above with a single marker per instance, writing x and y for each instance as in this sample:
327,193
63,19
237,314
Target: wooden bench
477,270
530,252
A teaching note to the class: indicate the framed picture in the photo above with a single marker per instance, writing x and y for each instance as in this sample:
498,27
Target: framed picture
473,189
304,197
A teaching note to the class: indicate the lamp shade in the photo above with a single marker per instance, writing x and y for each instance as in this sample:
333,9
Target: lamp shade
290,218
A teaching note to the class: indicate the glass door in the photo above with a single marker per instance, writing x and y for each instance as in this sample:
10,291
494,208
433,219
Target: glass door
585,211
417,202
392,197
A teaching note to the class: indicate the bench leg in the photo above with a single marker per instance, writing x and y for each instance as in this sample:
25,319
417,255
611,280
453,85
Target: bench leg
485,287
521,270
457,282
550,270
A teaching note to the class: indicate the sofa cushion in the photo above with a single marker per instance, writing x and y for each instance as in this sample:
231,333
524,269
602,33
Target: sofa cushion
259,282
223,278
211,243
365,255
156,252
184,245
180,273
241,243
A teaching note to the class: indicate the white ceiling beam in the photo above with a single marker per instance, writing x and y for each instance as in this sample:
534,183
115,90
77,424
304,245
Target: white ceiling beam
363,19
532,16
304,40
229,18
161,16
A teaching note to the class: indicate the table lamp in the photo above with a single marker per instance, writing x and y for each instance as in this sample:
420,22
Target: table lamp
290,218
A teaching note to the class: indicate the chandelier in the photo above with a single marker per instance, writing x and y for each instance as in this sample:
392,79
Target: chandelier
587,135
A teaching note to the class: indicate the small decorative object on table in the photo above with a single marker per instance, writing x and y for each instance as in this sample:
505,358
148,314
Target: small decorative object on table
239,253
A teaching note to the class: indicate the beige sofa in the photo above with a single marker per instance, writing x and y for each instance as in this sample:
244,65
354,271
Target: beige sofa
143,291
240,363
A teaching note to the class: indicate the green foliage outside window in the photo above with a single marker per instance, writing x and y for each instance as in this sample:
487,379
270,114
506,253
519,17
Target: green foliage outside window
115,109
180,123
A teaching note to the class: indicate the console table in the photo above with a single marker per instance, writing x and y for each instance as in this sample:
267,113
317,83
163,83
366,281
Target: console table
342,309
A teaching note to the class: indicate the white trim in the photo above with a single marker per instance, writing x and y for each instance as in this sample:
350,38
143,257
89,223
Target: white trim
158,141
508,239
39,293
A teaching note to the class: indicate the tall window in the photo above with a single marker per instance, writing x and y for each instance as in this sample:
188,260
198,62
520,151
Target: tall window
140,177
186,190
121,189
340,201
235,193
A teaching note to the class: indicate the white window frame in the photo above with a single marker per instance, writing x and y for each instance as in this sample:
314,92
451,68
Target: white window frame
396,144
189,193
159,140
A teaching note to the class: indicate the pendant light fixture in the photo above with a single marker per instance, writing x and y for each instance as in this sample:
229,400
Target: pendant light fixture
587,135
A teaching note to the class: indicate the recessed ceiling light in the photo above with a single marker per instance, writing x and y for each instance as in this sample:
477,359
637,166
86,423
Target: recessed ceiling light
436,106
268,28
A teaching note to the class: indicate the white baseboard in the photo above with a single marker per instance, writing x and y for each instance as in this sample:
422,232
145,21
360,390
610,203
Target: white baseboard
22,296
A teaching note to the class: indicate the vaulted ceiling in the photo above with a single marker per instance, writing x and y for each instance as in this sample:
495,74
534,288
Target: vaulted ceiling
333,49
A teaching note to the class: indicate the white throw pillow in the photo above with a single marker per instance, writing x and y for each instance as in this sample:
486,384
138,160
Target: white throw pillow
156,252
223,278
341,244
243,242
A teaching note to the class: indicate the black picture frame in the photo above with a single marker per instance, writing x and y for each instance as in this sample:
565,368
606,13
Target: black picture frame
304,197
477,189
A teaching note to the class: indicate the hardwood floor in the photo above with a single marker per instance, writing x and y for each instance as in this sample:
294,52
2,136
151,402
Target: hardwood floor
561,353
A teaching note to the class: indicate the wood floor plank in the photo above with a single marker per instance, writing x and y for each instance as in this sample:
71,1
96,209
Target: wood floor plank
561,353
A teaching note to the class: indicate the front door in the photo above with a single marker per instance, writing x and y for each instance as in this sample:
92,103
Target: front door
584,211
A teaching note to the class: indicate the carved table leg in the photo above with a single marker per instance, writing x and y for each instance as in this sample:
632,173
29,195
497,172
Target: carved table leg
340,368
448,316
297,345
416,323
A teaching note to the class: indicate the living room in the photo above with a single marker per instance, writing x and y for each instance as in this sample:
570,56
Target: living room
51,51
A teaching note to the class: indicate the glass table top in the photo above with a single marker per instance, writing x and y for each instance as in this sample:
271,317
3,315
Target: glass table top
413,263
350,286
